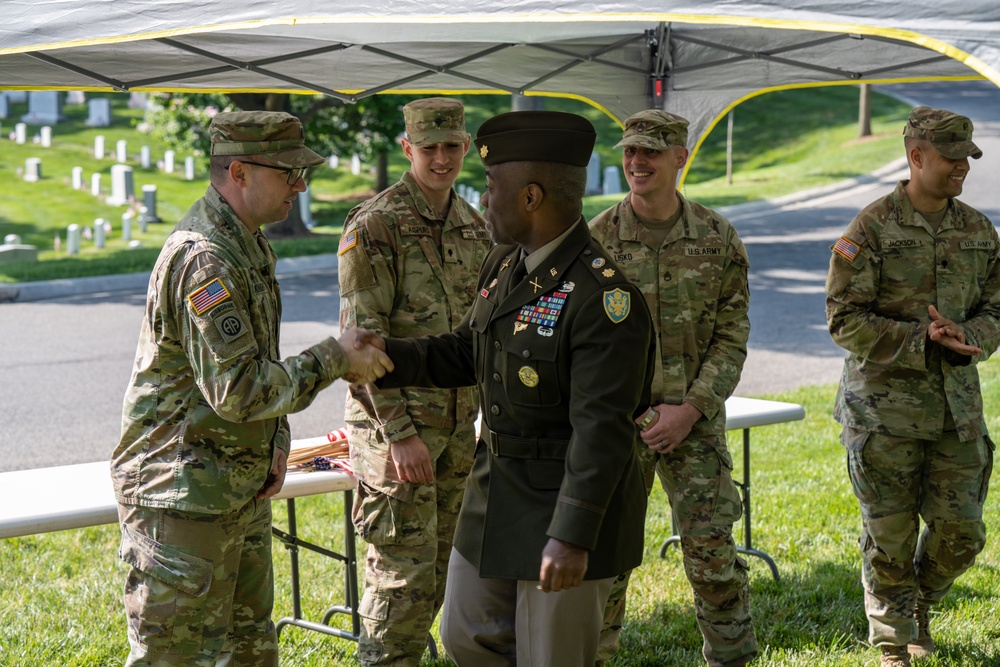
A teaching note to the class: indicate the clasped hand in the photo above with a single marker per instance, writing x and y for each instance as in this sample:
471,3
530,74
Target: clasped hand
947,334
365,352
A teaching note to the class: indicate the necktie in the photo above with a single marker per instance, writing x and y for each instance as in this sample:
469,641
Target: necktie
520,271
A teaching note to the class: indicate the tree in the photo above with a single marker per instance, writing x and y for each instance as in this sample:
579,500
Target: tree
368,127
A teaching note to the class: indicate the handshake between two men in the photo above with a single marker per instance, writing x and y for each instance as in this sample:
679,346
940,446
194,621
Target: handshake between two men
365,352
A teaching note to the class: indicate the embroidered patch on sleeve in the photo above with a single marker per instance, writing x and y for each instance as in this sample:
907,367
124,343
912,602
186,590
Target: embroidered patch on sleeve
617,304
846,248
204,298
347,242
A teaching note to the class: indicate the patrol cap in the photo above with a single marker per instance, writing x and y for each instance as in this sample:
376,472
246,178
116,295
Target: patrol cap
536,136
656,129
435,120
274,134
950,133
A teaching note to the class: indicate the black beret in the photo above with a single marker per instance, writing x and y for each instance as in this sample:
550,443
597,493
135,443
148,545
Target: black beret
536,136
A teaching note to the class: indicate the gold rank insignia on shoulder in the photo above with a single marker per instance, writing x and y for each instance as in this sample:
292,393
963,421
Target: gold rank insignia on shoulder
484,151
617,304
608,273
528,376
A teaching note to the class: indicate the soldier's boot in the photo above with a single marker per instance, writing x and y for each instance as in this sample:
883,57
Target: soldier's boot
895,656
923,645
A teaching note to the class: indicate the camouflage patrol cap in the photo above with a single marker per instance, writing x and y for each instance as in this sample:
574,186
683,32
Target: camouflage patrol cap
950,133
435,120
656,129
274,134
536,136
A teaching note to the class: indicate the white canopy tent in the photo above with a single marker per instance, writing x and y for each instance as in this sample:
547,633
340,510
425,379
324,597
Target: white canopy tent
698,58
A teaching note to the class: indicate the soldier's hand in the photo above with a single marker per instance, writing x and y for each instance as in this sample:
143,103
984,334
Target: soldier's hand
276,477
412,460
672,425
563,566
365,352
947,334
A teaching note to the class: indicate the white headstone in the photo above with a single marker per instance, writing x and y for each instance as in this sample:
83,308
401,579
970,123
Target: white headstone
78,178
594,174
334,162
99,112
76,97
121,151
46,134
355,164
127,217
99,233
474,198
4,108
17,96
122,187
44,107
142,219
612,181
305,208
144,159
20,133
147,212
189,168
11,239
99,146
168,162
33,169
73,239
95,184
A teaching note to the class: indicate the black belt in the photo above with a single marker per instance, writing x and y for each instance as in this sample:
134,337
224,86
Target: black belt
514,447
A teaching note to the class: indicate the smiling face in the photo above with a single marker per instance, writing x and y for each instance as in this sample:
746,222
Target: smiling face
436,167
268,196
652,172
934,178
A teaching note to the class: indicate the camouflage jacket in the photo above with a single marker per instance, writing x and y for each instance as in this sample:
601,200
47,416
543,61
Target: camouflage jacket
206,403
884,272
404,272
695,284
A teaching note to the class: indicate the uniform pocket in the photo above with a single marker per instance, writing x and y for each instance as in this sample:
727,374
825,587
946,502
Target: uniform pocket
855,441
382,519
189,574
984,485
728,501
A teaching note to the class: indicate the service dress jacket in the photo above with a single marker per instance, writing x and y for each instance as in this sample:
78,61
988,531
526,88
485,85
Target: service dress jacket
563,361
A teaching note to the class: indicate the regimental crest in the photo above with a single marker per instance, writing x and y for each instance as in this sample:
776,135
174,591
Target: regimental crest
617,305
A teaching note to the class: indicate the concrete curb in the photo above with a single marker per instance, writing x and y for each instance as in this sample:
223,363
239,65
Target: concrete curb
135,282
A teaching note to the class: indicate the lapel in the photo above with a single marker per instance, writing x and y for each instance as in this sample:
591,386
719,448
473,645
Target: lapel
548,275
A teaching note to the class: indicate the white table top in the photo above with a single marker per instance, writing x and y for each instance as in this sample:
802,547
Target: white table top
76,496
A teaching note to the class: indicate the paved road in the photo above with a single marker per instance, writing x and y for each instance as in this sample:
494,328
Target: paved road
65,360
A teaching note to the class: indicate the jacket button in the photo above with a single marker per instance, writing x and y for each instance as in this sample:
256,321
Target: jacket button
497,378
496,345
525,354
495,410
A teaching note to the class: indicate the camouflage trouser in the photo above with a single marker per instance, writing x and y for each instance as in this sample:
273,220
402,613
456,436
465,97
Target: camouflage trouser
705,502
409,528
899,481
199,589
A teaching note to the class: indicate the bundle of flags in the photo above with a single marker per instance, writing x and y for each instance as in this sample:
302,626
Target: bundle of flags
329,455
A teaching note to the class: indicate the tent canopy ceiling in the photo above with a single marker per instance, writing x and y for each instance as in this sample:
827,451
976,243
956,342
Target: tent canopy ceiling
698,59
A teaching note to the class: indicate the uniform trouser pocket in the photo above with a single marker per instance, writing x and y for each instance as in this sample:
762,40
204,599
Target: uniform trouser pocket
162,594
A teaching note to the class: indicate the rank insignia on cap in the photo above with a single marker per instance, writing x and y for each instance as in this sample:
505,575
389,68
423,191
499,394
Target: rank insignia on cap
528,376
846,248
208,296
484,151
598,263
617,304
347,242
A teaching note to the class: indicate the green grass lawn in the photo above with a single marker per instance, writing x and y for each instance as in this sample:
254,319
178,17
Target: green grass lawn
783,142
60,599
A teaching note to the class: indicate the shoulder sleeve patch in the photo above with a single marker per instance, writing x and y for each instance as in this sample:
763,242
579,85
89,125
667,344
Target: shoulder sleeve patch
347,241
354,266
617,304
208,296
846,248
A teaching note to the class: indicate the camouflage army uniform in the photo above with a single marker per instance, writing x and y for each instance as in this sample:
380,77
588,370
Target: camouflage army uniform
917,443
695,284
405,272
202,416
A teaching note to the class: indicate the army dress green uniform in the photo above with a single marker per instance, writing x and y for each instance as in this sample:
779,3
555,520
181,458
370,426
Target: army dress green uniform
695,284
202,415
406,272
559,395
916,439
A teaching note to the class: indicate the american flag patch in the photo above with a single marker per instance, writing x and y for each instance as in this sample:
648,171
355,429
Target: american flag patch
846,248
347,242
210,295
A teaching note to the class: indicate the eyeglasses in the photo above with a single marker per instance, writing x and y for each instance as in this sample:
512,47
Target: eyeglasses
292,176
